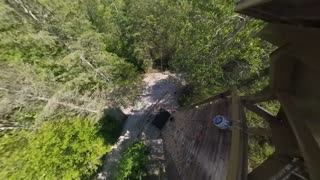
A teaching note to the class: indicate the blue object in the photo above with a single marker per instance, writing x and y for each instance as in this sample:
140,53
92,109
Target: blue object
221,122
218,119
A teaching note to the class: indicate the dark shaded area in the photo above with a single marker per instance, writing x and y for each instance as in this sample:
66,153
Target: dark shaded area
161,62
186,92
161,118
111,125
299,12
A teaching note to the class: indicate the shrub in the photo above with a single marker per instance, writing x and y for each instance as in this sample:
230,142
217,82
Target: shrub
133,162
63,149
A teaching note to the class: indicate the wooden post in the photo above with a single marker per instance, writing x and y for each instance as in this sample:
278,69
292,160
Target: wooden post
237,169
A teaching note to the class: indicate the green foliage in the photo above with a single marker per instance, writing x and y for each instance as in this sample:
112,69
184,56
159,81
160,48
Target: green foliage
217,49
63,149
259,150
133,162
61,53
213,47
253,120
26,114
55,55
260,147
68,48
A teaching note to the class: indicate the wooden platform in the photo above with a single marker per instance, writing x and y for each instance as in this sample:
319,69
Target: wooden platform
195,147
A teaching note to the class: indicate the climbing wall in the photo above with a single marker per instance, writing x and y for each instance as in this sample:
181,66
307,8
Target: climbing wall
195,148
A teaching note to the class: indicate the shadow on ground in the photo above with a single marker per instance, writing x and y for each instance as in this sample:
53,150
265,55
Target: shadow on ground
111,124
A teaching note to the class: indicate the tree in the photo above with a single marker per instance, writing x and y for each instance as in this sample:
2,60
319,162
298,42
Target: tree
60,149
69,58
58,52
217,48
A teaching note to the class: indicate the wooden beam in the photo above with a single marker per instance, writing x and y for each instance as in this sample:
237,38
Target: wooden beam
283,138
211,99
260,111
264,95
244,4
259,131
270,168
305,137
237,168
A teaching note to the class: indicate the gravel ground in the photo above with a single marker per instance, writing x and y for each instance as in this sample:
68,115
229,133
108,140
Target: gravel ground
160,89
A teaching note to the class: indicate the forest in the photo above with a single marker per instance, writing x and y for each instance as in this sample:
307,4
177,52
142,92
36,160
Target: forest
63,62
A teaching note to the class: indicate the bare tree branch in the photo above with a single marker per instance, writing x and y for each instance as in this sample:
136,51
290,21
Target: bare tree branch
11,128
69,105
83,59
26,9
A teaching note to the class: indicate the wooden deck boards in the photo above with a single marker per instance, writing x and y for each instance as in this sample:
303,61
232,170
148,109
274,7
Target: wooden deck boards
198,149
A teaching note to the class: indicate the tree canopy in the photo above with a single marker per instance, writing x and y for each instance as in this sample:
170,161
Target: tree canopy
60,149
62,62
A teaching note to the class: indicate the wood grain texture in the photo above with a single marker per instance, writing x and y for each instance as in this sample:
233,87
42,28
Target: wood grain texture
195,146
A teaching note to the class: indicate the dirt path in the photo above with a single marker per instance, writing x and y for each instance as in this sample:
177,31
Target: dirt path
160,92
